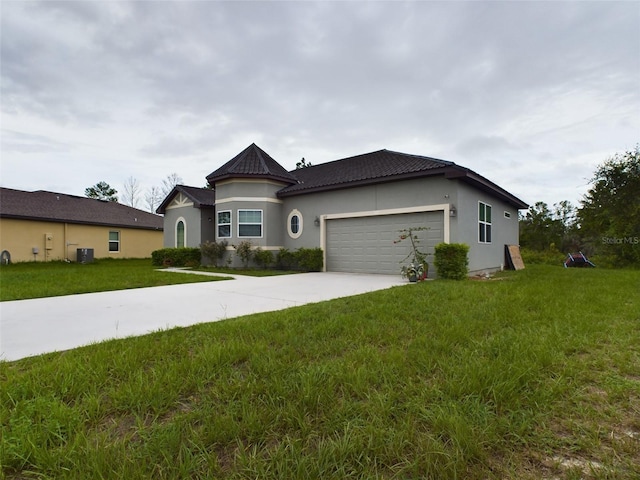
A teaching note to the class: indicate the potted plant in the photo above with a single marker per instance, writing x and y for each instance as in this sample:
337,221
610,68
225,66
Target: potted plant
418,268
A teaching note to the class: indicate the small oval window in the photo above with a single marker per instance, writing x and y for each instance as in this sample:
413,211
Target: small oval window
295,224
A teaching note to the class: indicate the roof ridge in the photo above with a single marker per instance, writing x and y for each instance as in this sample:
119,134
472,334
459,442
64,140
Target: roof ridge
69,208
239,158
424,157
263,162
372,167
61,193
252,162
385,150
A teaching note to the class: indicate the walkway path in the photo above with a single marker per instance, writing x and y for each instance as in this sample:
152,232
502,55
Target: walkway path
33,327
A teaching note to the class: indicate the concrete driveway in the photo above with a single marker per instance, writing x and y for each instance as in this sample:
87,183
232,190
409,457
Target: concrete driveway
33,327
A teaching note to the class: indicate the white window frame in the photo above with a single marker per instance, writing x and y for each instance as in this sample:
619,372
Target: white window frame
218,224
117,242
294,213
484,225
184,222
251,223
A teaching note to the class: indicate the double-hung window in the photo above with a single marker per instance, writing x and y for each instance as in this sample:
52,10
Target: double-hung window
114,241
224,224
484,223
250,223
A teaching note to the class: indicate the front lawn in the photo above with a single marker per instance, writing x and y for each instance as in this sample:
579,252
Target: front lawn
533,375
20,281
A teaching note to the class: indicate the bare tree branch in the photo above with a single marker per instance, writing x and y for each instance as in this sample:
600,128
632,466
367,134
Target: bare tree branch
153,198
131,192
170,182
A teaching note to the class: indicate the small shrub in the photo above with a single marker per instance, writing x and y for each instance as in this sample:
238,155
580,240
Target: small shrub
285,259
305,259
263,258
309,259
452,261
176,257
243,250
214,251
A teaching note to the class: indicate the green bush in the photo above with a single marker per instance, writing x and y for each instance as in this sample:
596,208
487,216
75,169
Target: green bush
214,251
243,250
176,257
305,259
309,259
263,258
451,260
285,259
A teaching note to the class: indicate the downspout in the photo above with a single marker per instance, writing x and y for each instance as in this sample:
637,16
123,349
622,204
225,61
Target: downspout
323,242
447,224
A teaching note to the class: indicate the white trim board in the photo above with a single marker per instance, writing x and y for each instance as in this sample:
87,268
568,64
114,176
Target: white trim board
248,199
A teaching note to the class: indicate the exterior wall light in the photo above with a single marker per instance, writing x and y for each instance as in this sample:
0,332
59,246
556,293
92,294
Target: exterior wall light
452,211
316,222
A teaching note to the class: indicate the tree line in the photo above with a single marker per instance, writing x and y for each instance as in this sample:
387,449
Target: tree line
133,194
606,224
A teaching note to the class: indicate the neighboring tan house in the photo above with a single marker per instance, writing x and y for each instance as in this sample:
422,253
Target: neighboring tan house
43,226
189,216
355,208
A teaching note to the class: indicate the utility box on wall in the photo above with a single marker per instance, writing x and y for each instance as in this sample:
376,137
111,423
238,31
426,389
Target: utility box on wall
84,255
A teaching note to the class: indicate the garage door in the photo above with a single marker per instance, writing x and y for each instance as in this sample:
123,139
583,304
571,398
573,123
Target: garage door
365,244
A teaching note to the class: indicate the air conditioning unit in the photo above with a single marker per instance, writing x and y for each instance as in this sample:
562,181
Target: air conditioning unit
84,255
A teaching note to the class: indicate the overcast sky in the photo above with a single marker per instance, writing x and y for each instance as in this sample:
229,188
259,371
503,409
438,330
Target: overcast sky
531,95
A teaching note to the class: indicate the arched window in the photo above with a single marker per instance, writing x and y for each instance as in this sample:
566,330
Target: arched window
180,234
294,224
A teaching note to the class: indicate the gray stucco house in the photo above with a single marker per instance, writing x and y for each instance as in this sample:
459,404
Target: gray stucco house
352,208
190,214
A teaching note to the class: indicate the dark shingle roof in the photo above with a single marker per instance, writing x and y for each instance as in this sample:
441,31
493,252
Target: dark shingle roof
374,167
252,162
366,169
59,207
386,166
201,197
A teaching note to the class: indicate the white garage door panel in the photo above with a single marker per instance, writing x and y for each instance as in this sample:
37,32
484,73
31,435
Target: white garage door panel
365,244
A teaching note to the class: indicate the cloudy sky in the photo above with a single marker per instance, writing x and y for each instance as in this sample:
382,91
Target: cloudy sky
532,95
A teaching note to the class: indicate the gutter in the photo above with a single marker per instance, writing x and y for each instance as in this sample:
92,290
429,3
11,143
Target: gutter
471,177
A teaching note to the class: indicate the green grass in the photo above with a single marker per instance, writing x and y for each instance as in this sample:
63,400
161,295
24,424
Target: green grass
534,375
34,280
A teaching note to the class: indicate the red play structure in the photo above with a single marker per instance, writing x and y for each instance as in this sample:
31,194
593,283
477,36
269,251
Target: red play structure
577,260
